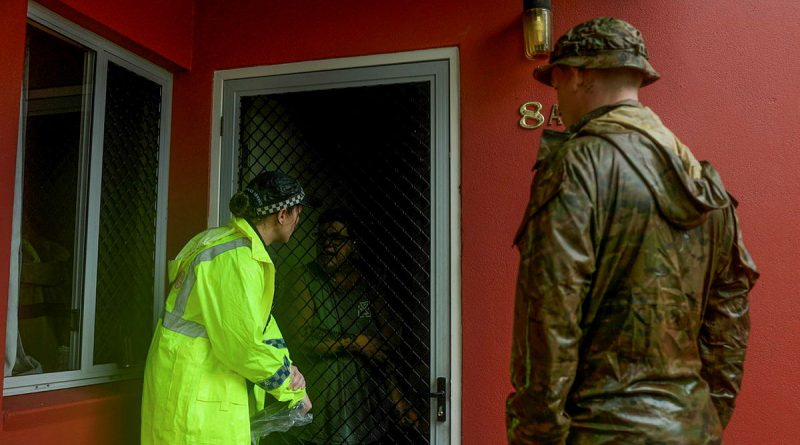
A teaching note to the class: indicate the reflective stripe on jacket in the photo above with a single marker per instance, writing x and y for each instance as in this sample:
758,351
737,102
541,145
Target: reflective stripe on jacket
215,336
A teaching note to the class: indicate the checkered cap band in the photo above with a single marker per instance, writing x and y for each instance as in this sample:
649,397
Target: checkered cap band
272,208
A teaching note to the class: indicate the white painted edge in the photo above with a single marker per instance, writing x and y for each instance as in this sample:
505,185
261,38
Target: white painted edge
455,249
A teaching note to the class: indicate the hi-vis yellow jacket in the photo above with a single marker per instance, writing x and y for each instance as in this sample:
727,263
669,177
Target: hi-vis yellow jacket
215,335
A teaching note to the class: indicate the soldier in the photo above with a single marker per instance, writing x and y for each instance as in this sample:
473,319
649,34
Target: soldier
631,317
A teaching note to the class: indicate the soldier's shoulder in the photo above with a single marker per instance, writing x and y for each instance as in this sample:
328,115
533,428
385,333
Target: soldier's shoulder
581,151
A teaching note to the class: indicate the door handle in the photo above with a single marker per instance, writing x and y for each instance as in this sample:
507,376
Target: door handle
441,399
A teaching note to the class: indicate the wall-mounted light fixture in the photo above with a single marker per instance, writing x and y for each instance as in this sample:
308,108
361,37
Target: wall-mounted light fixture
538,28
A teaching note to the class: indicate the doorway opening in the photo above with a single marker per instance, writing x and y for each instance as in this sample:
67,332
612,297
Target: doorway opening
363,287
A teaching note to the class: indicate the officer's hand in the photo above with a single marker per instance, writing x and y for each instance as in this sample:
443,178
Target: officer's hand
298,381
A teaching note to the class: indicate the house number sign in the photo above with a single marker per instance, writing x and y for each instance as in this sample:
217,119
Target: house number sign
532,117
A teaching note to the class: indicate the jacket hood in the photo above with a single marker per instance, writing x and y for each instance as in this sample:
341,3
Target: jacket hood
685,190
236,227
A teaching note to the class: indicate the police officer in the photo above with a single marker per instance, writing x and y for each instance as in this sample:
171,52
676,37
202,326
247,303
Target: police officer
217,333
631,315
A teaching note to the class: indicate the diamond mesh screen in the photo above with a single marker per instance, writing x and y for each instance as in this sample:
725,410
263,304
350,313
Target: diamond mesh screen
359,330
129,190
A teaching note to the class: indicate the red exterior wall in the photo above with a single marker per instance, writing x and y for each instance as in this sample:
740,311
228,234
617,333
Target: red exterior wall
158,30
12,56
729,90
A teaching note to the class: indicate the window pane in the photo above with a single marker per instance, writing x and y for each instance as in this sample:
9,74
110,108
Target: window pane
129,190
56,124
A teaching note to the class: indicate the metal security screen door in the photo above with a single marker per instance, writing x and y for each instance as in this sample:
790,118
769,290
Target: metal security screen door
363,293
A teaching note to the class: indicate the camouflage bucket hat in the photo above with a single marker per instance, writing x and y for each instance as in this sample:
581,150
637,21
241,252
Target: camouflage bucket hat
603,42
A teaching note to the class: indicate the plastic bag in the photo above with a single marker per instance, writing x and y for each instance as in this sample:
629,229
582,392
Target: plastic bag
277,417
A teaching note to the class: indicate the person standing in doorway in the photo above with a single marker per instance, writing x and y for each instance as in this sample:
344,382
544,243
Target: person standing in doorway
631,317
343,335
217,347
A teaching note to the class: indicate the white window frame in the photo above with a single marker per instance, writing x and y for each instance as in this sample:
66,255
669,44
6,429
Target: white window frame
88,373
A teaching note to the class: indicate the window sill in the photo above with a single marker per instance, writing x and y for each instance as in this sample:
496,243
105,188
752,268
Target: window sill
32,410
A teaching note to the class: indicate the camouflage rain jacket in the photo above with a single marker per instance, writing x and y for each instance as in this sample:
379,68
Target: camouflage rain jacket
631,317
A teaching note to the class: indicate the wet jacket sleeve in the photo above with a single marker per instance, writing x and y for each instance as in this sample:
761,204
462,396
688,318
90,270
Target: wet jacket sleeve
230,292
726,324
556,265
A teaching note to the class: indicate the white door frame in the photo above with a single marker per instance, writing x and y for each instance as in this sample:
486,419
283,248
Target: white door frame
451,55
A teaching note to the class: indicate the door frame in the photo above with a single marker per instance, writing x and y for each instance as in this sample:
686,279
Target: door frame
450,54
